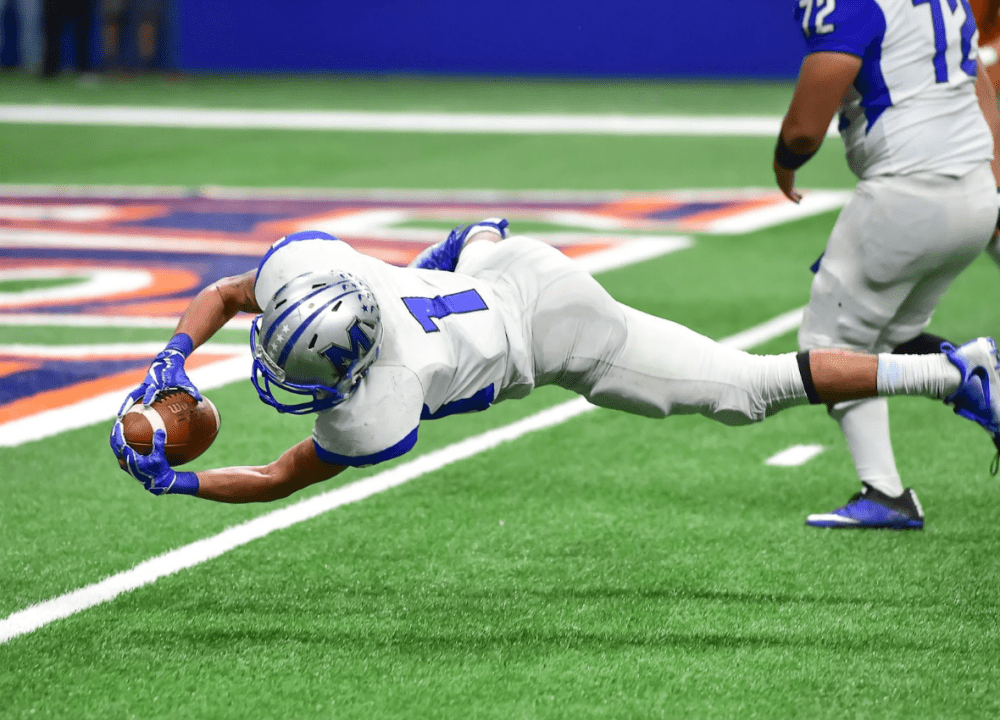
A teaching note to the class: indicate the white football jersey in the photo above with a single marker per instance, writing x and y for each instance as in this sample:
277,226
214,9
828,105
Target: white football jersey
913,105
444,349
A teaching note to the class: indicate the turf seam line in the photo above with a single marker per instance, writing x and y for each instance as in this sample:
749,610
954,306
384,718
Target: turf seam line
37,616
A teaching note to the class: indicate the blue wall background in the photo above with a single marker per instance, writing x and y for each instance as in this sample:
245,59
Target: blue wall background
671,38
668,39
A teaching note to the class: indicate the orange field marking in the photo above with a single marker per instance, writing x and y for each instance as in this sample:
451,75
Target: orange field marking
9,367
125,381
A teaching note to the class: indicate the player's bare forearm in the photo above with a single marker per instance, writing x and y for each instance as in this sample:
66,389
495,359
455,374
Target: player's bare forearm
216,305
987,96
297,468
823,81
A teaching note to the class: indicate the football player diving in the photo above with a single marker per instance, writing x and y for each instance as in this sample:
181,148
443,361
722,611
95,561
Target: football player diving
373,350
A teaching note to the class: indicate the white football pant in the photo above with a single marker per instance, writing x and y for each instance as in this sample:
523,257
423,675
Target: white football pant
580,338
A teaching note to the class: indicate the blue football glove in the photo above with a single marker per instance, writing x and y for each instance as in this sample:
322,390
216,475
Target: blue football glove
153,470
444,255
167,371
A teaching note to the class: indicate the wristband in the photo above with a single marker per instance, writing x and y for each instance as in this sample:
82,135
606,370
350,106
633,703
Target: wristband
186,483
788,159
182,343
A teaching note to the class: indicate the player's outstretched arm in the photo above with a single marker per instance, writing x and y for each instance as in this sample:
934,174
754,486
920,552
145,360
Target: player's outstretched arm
987,96
216,305
297,468
823,81
212,308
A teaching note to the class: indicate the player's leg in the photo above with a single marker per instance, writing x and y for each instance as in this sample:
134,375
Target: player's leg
444,255
52,23
865,426
619,357
31,35
149,19
80,16
663,368
871,293
836,317
577,336
580,338
112,22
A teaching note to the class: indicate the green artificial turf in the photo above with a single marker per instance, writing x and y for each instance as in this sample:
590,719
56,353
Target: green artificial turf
408,93
17,286
59,335
607,567
280,158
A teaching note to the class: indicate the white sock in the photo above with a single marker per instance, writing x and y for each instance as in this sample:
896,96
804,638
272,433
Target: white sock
778,382
929,375
865,424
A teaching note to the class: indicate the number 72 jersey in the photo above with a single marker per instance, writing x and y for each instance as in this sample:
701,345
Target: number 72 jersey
913,106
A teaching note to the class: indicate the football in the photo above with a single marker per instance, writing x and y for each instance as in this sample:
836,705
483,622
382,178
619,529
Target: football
191,426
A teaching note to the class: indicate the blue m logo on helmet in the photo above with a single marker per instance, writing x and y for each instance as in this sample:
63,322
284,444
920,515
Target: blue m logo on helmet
317,337
343,358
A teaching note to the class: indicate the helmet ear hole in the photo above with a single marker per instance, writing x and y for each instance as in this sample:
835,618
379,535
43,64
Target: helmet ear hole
312,343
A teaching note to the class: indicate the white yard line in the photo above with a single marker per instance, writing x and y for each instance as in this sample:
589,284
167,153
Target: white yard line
795,455
773,328
813,202
442,122
633,252
38,616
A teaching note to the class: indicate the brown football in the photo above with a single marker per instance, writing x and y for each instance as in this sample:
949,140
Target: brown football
191,426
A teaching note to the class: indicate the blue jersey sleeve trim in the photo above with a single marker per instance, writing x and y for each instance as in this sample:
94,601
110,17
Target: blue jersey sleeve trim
475,403
401,448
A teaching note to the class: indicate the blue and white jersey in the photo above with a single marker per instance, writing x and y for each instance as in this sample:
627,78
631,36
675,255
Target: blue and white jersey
444,350
913,106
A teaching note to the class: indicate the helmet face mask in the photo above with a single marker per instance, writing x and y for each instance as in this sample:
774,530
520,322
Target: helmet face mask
317,338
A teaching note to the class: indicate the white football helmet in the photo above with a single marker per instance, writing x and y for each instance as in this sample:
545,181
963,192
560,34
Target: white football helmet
318,336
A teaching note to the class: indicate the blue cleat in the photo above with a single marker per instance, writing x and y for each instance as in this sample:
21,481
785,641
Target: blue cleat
978,397
874,510
444,255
